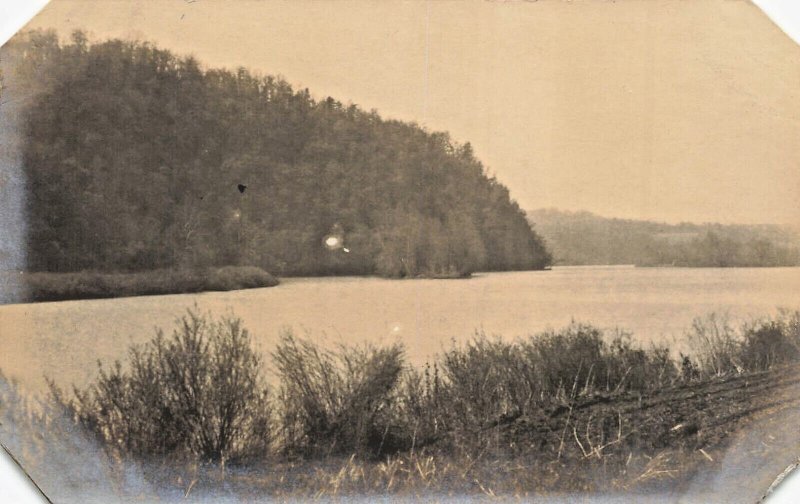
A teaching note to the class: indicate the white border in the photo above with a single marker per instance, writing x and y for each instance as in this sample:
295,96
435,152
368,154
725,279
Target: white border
15,486
14,14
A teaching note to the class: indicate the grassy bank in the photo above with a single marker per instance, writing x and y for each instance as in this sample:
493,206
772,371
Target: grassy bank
569,410
43,286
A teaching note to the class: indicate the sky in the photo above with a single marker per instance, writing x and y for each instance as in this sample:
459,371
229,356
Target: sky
665,110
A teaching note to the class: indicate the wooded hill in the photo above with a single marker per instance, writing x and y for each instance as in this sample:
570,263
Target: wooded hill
137,159
582,238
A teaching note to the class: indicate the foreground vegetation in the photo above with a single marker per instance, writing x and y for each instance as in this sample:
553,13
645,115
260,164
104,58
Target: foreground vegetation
574,409
94,285
582,238
137,159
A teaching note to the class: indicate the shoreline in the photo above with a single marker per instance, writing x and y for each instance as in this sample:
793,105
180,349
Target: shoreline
22,287
38,287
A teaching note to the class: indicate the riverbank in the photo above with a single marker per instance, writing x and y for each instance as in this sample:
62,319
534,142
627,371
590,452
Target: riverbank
46,286
689,442
746,436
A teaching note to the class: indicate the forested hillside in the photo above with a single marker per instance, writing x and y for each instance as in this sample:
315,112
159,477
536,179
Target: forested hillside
137,159
584,238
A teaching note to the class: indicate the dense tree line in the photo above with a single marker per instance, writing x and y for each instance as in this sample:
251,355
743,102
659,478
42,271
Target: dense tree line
137,159
584,238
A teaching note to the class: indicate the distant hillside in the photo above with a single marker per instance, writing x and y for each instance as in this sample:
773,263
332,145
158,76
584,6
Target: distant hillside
137,159
582,238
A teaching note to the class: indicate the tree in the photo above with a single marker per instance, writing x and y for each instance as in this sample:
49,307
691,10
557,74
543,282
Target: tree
133,158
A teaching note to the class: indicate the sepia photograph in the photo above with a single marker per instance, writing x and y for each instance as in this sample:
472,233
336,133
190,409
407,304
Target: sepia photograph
401,251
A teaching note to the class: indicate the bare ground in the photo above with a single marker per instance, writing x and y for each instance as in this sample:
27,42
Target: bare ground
731,435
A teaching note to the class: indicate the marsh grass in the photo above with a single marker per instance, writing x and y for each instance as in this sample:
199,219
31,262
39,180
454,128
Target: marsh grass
95,285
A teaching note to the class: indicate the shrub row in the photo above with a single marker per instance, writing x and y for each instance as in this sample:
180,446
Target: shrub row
718,348
202,393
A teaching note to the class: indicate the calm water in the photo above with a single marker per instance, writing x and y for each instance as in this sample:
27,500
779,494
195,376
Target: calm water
64,340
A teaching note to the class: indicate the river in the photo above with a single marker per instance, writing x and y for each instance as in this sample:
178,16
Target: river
64,340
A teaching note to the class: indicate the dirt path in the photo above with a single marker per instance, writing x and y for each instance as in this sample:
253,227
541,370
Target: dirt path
699,442
763,446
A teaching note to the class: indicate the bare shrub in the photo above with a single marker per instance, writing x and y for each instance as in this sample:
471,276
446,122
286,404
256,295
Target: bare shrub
484,383
337,402
196,393
488,382
771,342
719,349
419,406
630,367
199,392
715,345
485,377
587,360
567,358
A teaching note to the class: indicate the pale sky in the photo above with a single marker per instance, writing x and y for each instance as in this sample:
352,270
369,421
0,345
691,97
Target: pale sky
664,110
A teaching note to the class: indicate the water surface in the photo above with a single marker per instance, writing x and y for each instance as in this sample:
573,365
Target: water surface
64,340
